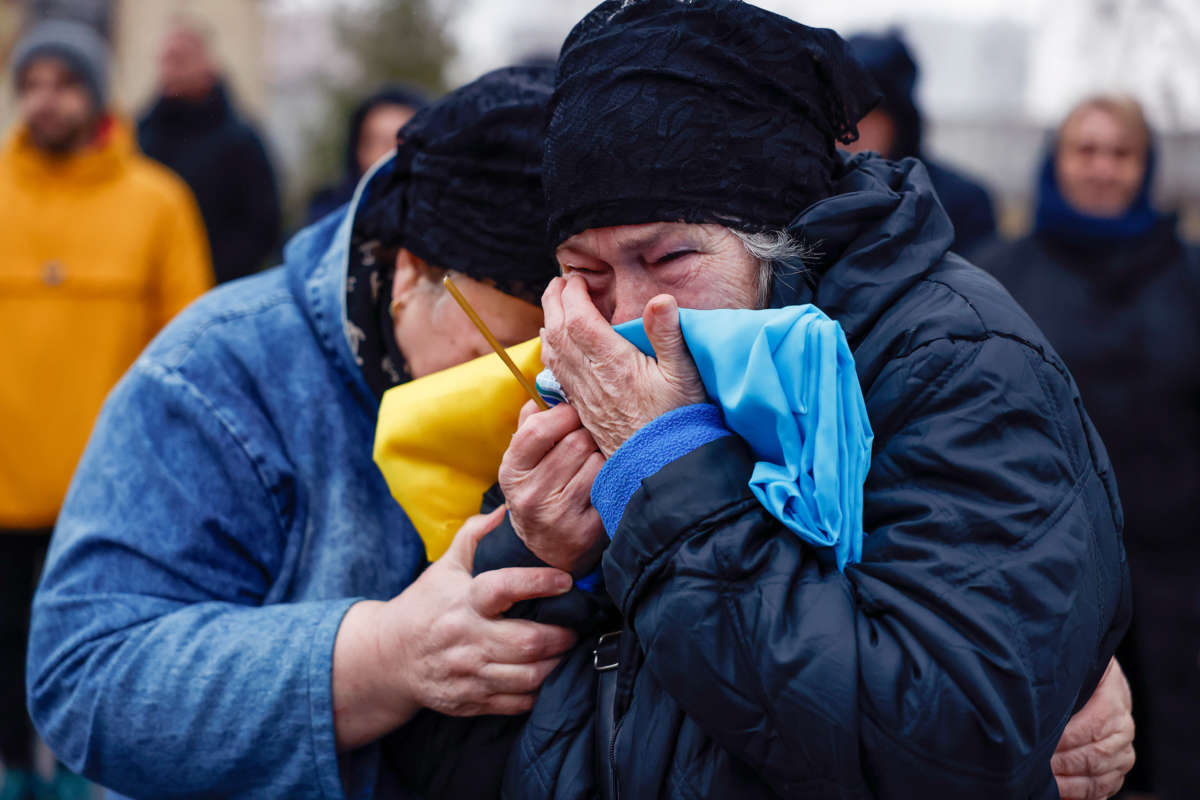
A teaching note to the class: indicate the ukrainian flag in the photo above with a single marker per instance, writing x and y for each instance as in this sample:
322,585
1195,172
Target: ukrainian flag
440,439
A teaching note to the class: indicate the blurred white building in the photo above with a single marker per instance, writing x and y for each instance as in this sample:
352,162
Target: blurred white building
1149,48
135,30
996,75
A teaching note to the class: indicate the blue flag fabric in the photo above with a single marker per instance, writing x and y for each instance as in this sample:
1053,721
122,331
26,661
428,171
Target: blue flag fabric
784,379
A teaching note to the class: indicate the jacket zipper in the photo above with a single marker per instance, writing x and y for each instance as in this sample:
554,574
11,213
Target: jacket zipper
612,758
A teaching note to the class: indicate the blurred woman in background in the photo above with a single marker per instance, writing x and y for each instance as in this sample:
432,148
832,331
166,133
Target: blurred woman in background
1117,293
371,134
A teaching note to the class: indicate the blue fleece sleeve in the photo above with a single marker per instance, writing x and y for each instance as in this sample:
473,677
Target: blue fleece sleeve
671,436
591,581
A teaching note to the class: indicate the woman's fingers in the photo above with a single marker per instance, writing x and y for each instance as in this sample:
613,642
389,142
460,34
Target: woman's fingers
583,324
462,549
518,678
661,320
537,435
552,313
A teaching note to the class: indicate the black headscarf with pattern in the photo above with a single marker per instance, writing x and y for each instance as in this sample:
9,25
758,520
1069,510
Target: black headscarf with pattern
463,193
696,111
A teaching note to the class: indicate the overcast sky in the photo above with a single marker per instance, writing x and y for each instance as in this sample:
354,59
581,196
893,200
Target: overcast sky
486,28
979,58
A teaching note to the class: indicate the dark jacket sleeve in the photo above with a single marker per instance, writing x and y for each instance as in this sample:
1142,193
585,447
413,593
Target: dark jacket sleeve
991,592
583,611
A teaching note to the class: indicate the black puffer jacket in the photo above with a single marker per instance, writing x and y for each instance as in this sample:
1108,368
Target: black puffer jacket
991,592
1124,313
223,160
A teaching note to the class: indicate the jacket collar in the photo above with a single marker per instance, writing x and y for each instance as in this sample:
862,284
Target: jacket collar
209,112
881,232
317,259
99,161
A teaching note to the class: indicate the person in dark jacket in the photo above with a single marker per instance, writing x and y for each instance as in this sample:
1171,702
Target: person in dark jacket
1118,295
193,128
371,134
690,155
894,130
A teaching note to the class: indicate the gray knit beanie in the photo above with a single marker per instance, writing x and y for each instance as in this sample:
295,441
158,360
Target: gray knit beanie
75,43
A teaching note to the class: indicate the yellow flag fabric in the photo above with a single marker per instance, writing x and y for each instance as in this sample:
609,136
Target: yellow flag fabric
440,439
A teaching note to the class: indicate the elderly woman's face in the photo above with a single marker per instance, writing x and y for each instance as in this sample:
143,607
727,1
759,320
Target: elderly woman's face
702,266
431,329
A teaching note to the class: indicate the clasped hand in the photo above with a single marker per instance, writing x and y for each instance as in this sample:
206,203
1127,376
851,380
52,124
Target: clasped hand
614,390
614,387
444,644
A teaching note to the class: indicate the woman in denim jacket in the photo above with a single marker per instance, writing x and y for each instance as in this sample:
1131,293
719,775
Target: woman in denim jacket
212,617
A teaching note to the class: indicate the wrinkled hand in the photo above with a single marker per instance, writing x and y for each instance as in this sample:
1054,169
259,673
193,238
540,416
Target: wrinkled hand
615,389
1096,749
546,476
461,657
442,644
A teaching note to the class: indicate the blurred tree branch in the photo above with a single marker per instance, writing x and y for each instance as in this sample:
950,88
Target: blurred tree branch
391,41
398,40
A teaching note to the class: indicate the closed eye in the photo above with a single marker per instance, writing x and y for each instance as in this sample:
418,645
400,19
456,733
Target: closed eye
568,268
669,257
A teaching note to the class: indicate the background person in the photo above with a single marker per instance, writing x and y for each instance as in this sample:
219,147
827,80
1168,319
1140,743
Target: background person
1117,292
894,129
371,134
99,248
192,127
233,605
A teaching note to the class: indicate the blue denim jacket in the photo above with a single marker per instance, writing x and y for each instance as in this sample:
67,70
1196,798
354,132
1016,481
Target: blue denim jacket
224,517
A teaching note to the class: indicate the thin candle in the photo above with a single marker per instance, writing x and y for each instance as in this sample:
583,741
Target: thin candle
487,334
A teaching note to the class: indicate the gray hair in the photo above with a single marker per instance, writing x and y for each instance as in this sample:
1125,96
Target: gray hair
778,254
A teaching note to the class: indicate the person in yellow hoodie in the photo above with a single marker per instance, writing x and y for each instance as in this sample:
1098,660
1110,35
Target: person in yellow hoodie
99,248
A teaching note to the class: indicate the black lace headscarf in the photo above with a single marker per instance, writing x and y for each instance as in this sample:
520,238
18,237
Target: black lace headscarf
463,193
696,111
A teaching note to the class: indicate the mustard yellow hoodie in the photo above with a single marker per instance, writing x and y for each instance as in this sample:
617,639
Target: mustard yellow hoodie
97,252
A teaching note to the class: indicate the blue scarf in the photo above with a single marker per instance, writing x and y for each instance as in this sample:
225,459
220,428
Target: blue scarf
785,382
1056,217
